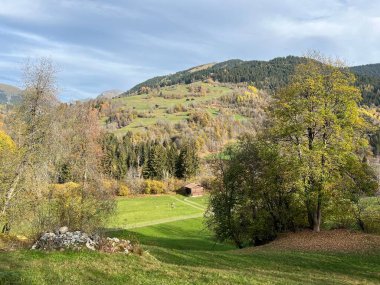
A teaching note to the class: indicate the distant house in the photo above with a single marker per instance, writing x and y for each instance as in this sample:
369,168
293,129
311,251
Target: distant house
193,189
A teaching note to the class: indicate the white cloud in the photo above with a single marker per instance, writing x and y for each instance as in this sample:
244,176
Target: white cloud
117,43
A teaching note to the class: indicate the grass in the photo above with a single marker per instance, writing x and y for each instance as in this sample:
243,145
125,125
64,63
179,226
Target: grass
155,208
157,106
184,252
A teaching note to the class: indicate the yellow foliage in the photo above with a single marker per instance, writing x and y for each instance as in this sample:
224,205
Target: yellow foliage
6,143
69,186
123,190
154,187
253,89
111,186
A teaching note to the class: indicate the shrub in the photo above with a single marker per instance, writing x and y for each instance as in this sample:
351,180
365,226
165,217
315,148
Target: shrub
200,117
173,184
370,215
153,187
111,186
123,190
339,213
69,205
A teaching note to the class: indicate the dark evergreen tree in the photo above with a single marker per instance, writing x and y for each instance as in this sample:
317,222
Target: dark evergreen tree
188,161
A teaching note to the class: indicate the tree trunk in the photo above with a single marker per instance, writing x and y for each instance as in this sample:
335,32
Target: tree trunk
10,194
317,216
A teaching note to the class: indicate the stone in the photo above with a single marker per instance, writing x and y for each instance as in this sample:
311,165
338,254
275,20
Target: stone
63,239
90,246
63,230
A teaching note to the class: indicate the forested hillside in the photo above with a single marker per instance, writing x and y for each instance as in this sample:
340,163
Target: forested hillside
368,77
263,74
372,70
267,75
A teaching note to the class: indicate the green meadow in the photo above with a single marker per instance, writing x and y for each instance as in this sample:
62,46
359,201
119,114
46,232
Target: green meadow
180,250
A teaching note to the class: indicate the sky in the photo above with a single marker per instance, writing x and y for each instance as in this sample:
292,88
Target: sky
99,45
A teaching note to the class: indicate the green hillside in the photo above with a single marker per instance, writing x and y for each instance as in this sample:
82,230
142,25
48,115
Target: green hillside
170,104
266,75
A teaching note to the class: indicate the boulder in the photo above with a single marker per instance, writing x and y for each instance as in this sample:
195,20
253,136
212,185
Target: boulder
63,230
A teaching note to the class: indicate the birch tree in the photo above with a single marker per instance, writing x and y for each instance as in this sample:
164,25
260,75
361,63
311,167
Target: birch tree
30,126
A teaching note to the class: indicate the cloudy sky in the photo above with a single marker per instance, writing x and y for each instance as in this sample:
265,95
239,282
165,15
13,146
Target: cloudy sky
100,45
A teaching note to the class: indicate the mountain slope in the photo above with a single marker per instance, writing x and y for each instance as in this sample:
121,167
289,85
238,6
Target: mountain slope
368,78
371,70
267,75
263,74
109,94
9,94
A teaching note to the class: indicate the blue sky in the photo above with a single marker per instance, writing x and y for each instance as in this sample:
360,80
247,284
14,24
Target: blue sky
101,45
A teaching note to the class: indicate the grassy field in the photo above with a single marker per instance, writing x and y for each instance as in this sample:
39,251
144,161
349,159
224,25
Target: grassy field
156,209
182,251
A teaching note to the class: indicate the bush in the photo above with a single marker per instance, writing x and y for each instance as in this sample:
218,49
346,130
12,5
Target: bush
153,187
123,190
370,215
173,184
340,213
68,205
111,186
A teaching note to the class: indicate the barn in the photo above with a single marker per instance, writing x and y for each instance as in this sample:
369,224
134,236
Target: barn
193,189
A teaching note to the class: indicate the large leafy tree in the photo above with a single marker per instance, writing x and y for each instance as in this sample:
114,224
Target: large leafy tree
253,196
317,121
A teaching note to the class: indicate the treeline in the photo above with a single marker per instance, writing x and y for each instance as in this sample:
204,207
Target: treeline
152,159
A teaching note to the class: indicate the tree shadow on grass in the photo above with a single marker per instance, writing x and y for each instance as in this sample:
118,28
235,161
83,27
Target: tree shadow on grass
187,242
199,252
300,267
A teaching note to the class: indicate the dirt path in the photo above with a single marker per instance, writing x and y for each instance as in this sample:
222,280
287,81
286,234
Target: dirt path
189,203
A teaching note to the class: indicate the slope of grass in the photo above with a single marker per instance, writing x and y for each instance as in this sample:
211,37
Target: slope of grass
157,106
173,266
183,252
153,208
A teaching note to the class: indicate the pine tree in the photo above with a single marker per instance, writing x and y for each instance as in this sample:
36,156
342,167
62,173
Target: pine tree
188,161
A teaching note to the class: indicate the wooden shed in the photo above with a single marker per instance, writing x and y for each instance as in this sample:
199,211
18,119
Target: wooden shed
193,189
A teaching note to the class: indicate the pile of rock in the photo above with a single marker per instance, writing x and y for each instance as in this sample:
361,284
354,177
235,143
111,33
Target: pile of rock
77,240
116,245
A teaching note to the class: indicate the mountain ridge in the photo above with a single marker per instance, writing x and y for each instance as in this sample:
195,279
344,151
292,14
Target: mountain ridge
268,75
9,94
